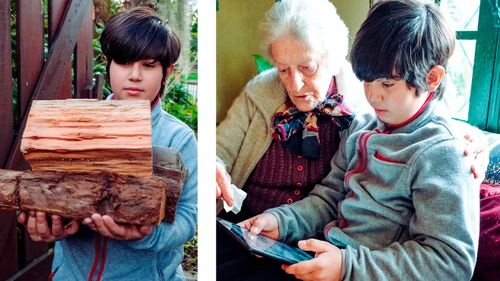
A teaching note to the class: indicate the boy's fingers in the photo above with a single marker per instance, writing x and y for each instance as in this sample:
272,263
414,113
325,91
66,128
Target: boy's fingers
89,223
57,228
305,267
100,226
145,230
93,227
71,228
116,230
31,224
474,172
22,218
257,225
315,245
42,226
246,224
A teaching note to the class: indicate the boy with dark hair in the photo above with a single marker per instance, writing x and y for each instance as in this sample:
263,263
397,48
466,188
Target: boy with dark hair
400,202
141,51
125,40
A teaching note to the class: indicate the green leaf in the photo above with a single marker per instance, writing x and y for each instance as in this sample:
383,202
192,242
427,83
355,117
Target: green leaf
262,63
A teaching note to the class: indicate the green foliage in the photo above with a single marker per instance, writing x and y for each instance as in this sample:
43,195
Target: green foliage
194,37
190,261
13,38
99,59
262,63
181,104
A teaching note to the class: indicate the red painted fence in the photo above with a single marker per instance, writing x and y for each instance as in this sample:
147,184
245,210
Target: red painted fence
65,71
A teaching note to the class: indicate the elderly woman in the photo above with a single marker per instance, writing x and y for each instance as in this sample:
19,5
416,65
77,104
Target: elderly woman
280,134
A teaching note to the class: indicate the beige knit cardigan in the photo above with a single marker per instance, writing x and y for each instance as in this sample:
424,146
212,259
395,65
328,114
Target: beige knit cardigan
245,134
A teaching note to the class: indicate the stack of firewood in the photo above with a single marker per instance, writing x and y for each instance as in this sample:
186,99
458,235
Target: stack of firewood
90,156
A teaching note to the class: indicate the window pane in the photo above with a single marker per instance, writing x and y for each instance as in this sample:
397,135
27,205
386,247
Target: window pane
463,15
459,79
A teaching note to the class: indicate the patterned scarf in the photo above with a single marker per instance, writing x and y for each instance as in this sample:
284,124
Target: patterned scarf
299,130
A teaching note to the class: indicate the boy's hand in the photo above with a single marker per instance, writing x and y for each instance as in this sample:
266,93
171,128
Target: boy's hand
477,147
106,226
223,184
40,229
265,224
326,265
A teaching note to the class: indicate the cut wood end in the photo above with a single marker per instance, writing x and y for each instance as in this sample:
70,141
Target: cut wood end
82,135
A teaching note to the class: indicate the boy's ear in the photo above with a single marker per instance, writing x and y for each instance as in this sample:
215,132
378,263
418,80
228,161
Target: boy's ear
435,76
170,69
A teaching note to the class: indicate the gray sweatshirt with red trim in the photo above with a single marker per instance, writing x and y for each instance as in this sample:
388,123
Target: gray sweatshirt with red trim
401,203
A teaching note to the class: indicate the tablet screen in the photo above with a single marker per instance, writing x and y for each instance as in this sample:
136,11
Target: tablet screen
266,246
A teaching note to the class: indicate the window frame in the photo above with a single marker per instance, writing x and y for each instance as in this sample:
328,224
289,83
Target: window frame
484,106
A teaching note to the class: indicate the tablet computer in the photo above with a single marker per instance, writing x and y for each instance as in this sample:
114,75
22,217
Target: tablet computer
264,246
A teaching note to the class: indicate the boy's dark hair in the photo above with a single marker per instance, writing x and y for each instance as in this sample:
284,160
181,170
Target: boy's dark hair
406,36
139,34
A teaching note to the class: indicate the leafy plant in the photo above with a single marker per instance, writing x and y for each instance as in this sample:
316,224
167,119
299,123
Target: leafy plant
190,262
179,102
262,63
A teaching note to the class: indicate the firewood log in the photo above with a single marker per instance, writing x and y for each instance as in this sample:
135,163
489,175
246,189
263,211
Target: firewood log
127,199
9,199
167,164
81,135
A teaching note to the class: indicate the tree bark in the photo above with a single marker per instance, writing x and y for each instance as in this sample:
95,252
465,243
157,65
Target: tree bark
168,165
179,19
102,11
129,4
126,199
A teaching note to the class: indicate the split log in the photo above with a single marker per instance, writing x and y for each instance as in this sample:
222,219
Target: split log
167,164
8,191
127,199
82,135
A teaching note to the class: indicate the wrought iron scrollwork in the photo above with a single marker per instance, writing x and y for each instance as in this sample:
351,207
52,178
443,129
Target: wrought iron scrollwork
495,10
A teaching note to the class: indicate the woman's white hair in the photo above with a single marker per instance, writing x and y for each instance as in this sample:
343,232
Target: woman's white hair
313,22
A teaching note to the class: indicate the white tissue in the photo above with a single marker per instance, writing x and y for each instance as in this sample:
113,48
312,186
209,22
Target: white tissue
238,197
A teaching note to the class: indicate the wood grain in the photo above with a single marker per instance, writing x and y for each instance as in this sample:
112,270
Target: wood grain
81,135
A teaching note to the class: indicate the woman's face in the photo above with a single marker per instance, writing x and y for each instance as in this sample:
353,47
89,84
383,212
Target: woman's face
141,79
303,72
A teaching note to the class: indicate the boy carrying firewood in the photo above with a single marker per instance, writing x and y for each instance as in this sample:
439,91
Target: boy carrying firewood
141,51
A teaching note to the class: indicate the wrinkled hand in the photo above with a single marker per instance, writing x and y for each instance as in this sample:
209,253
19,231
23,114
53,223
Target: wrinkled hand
477,147
107,227
326,265
40,229
223,184
265,224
